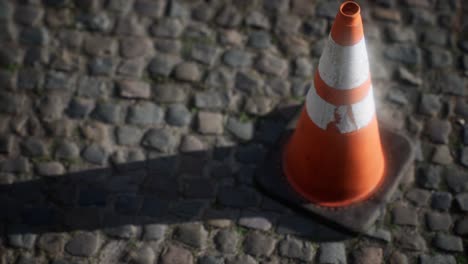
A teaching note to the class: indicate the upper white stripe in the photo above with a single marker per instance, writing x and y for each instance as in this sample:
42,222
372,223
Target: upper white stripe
351,117
344,67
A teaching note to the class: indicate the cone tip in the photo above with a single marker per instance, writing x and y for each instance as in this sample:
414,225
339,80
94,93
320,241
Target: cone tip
350,11
347,29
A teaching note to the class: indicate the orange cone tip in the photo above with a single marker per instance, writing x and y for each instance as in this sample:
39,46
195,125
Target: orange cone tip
335,158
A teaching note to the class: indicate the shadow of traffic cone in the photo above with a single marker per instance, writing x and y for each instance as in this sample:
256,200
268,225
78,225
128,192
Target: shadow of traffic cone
334,158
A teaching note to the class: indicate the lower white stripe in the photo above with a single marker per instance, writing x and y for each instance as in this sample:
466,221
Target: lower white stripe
344,67
350,117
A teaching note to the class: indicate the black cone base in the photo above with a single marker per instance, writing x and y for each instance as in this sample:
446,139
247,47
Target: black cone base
357,217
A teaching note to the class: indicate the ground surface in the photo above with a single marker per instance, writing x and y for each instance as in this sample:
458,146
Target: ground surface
130,130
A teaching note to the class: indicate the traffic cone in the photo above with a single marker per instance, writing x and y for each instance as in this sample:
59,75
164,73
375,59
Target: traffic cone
338,157
334,157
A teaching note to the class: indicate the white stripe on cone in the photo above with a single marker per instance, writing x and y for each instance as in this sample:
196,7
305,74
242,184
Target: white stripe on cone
350,117
344,67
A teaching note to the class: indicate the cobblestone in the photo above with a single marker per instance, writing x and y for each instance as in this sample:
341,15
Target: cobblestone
410,241
257,244
127,135
438,222
25,241
188,71
332,252
134,89
430,177
296,249
456,179
52,243
442,155
462,200
95,154
177,255
426,259
162,65
241,130
398,258
405,215
441,201
83,244
185,99
461,227
255,220
122,231
226,241
237,58
419,197
193,235
145,114
160,139
51,168
108,113
448,242
178,115
143,255
154,232
438,130
368,255
210,260
242,259
210,123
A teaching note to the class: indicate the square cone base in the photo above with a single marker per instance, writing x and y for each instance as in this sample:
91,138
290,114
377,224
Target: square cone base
355,218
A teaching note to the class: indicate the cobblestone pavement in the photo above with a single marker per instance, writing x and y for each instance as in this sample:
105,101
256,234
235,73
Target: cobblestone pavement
130,130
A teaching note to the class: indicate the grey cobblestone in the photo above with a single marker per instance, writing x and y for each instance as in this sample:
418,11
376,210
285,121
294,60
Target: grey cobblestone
185,98
52,243
178,115
398,257
256,220
410,241
210,260
123,231
108,112
177,255
368,255
405,215
95,154
441,201
226,241
332,253
462,200
162,64
188,71
192,144
193,235
242,259
296,249
257,244
145,114
243,131
426,259
448,242
154,232
51,168
83,244
131,68
160,139
438,222
134,89
26,241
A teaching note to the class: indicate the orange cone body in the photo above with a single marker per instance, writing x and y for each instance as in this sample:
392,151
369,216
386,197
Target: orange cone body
334,157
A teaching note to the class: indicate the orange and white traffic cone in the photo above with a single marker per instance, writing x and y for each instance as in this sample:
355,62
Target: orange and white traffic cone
338,155
335,157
